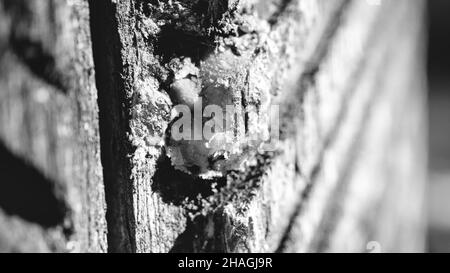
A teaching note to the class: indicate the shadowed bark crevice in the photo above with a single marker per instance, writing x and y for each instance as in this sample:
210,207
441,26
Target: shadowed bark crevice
113,125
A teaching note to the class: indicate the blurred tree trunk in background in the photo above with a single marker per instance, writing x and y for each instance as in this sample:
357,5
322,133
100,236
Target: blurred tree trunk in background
52,195
349,170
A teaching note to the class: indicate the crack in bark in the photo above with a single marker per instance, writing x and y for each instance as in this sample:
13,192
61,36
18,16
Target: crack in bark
31,51
113,122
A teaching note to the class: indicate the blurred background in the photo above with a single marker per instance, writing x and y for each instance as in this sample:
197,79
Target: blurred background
439,134
439,125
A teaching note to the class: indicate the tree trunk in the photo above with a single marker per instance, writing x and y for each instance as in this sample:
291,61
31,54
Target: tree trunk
52,195
338,85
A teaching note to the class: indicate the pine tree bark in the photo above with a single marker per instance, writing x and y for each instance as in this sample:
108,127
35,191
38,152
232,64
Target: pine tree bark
347,174
52,193
324,63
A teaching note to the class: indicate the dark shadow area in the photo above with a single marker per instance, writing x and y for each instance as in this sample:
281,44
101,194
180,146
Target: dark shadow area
25,192
273,18
175,186
439,40
113,123
206,204
439,126
195,238
176,43
39,60
185,242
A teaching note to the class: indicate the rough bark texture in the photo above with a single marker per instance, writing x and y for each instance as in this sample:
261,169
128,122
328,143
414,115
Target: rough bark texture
323,62
52,194
347,174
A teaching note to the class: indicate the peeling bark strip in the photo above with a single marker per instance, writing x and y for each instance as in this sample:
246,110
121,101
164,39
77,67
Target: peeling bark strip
308,56
51,193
